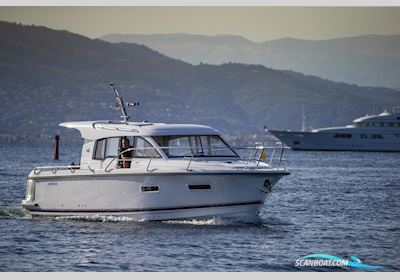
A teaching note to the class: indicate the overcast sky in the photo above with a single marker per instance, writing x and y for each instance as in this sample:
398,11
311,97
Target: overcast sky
254,23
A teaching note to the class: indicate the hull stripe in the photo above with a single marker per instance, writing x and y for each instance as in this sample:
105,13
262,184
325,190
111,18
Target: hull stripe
39,210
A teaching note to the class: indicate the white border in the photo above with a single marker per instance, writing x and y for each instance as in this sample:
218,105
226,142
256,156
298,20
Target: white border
344,3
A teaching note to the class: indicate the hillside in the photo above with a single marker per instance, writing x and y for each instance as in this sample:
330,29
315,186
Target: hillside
371,60
49,76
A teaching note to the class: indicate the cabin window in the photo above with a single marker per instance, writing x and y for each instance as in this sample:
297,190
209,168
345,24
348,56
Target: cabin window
217,147
100,149
144,149
377,136
107,147
194,145
342,135
371,136
112,146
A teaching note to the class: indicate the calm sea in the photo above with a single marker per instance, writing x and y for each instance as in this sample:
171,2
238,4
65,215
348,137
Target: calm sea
338,203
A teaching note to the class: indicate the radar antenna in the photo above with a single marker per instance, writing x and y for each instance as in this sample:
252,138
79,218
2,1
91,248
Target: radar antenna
121,105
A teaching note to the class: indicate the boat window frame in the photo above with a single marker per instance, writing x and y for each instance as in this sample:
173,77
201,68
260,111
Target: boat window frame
94,155
193,148
133,139
105,156
106,149
149,143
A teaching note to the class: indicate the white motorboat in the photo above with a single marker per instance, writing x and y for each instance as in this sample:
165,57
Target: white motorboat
155,171
377,133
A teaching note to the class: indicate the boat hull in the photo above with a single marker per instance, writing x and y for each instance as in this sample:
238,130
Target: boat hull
326,141
152,197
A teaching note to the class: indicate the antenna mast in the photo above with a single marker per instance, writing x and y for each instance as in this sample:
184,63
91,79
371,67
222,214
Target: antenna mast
303,120
121,105
374,105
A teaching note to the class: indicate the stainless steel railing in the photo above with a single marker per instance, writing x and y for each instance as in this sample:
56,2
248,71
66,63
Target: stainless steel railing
54,169
256,154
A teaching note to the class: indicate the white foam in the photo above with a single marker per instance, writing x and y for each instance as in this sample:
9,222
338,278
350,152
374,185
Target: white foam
97,218
212,221
13,212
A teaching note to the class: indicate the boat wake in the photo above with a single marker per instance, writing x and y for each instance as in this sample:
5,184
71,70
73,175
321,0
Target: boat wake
97,218
215,221
13,212
19,212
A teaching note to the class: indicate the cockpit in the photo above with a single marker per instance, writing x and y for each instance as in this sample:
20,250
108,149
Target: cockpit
171,146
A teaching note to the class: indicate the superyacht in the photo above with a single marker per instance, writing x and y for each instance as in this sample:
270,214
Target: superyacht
375,133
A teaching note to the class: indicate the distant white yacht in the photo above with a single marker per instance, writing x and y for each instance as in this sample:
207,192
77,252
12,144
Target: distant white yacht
379,133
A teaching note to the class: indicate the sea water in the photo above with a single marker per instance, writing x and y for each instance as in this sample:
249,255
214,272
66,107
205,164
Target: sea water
338,203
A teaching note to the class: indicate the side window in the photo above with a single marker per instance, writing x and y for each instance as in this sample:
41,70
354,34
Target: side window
106,148
112,147
100,149
218,147
144,149
179,146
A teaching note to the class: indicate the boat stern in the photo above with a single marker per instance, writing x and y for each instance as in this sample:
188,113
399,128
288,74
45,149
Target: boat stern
28,202
292,139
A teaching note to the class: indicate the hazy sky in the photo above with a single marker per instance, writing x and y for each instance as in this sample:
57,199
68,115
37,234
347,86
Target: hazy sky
254,23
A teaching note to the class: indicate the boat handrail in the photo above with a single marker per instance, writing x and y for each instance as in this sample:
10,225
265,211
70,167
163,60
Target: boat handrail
251,157
151,158
54,169
129,150
282,147
259,146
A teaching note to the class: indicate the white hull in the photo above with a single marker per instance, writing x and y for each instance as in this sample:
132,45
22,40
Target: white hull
244,212
236,195
153,171
325,141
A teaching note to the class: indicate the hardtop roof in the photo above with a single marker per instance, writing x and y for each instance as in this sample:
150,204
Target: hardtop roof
94,130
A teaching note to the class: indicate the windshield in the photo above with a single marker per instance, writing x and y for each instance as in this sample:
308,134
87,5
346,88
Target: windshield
194,145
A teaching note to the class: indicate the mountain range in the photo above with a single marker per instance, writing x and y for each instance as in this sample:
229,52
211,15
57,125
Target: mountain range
369,60
49,76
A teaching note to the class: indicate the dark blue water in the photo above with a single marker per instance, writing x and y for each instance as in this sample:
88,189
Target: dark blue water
338,203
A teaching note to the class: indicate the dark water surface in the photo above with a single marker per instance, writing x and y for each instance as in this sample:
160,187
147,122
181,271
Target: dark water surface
339,203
